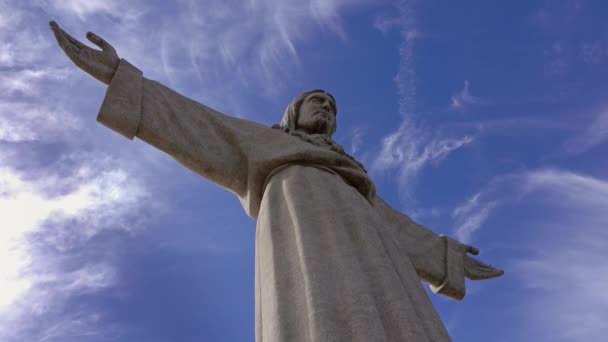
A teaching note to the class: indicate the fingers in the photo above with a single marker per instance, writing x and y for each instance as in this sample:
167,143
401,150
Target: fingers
98,70
70,49
477,270
99,64
57,32
473,250
97,40
63,38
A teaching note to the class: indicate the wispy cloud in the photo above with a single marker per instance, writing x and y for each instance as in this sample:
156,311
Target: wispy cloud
244,46
46,219
21,42
24,121
595,133
471,215
406,75
326,13
56,195
567,234
569,266
385,23
464,98
27,81
86,8
581,192
554,186
356,141
77,326
232,46
412,147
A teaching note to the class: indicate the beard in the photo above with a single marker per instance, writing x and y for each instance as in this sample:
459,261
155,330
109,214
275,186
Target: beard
318,126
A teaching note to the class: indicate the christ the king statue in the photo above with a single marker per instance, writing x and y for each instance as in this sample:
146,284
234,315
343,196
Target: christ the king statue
333,261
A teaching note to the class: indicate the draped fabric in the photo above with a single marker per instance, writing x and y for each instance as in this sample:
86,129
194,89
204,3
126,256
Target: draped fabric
333,261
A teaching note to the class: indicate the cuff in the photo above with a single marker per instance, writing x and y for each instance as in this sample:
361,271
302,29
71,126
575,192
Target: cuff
121,106
453,284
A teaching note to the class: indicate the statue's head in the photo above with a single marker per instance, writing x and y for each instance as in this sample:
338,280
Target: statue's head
313,112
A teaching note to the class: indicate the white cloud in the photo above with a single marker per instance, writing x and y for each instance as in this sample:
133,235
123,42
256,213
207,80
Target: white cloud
50,212
406,76
21,42
90,277
384,23
326,14
471,215
569,265
410,149
231,45
595,133
424,214
464,98
570,189
356,139
567,230
64,213
27,81
86,8
75,327
554,186
240,46
24,121
55,204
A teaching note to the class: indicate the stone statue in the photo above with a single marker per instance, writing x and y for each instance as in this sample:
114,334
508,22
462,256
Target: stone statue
334,262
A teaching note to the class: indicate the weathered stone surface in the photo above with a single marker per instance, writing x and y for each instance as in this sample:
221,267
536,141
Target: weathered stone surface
333,262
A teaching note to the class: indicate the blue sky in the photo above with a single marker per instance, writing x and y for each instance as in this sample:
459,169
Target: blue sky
486,121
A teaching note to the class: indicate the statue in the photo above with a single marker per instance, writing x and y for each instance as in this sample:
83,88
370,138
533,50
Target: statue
334,262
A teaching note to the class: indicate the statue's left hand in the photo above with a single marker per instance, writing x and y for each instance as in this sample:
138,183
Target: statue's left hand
477,270
101,64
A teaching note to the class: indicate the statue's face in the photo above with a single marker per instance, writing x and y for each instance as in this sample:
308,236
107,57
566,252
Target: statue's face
317,114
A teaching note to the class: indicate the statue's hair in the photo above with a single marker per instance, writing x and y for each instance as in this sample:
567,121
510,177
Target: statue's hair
290,117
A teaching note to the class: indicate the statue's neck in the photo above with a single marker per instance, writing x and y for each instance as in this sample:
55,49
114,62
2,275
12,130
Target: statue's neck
321,140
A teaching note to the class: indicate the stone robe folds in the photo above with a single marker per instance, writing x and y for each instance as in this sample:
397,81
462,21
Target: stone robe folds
333,261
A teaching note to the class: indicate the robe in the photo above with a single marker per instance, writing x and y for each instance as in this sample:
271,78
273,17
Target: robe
333,261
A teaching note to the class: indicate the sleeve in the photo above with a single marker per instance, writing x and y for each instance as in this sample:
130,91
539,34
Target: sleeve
212,144
437,259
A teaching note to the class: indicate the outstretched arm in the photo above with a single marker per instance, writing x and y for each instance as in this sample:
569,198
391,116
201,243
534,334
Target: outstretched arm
439,260
212,144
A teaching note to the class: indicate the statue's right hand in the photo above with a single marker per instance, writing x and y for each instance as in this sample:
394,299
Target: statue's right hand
100,64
